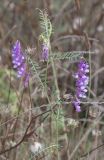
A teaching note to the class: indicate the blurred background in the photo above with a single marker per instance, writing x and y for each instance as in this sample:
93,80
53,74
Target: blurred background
78,25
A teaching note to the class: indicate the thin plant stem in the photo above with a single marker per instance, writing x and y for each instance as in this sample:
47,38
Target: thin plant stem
58,98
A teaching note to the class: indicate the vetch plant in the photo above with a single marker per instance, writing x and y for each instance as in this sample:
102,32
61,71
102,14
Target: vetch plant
44,121
82,79
19,62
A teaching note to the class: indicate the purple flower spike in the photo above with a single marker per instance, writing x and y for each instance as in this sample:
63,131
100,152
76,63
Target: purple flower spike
45,52
19,61
82,80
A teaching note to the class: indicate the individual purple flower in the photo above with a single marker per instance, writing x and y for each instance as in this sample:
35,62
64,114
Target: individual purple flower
82,80
45,51
76,104
19,60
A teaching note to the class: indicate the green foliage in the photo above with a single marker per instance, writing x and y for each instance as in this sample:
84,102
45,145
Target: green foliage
46,26
35,67
71,56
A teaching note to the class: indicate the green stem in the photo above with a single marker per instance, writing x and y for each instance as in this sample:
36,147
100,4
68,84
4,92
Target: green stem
58,98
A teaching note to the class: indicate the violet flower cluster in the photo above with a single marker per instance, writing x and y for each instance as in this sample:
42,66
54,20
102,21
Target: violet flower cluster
45,52
82,80
19,62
